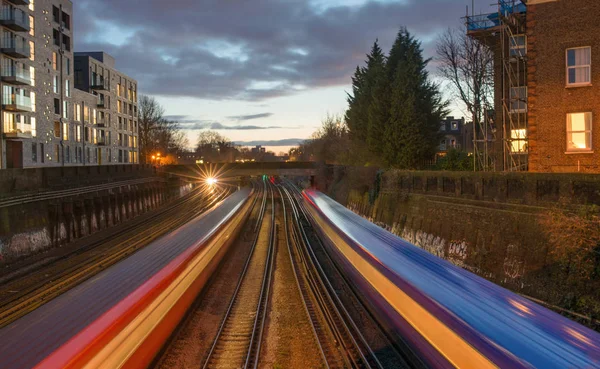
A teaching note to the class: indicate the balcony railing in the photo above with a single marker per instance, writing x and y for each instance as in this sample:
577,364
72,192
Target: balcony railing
16,76
101,122
19,2
17,103
15,19
17,47
99,84
17,130
101,141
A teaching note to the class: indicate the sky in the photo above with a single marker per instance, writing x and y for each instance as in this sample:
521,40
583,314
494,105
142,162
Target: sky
260,72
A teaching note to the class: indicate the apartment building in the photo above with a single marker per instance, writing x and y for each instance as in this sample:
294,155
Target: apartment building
45,120
113,125
546,88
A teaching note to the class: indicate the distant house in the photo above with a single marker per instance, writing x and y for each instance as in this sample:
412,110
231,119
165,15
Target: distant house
456,135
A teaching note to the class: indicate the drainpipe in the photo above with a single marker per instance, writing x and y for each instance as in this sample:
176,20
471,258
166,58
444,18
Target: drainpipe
62,85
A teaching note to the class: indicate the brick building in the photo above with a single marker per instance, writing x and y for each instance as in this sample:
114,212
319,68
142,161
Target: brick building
456,135
544,105
43,119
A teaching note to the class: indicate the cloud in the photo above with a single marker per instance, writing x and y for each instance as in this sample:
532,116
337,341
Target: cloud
249,50
283,142
250,117
193,125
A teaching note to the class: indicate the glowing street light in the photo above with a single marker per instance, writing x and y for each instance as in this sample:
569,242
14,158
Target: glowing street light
211,181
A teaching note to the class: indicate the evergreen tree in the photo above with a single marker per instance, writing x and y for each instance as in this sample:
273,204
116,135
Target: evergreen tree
363,82
411,132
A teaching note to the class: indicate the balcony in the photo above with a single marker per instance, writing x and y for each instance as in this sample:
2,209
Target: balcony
99,84
17,47
15,19
16,130
16,103
101,141
101,122
102,104
16,76
19,2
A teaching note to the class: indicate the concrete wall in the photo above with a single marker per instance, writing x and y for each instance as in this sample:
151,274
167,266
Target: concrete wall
31,227
499,226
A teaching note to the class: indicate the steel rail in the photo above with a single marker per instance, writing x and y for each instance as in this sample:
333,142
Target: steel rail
234,298
366,357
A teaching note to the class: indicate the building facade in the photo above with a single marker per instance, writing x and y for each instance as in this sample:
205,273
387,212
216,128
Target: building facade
546,88
114,133
43,116
456,135
563,38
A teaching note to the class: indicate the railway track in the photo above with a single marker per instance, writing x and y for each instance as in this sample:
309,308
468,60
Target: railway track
340,340
49,281
238,340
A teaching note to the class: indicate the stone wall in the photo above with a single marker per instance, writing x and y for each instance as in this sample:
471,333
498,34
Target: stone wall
496,225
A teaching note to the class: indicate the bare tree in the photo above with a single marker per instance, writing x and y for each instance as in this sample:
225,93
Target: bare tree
468,65
157,134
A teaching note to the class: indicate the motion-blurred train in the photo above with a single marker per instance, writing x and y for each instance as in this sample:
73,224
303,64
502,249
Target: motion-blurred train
447,316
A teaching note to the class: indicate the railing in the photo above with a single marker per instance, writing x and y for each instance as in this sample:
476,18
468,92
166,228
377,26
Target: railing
17,16
13,71
17,128
482,22
18,100
18,43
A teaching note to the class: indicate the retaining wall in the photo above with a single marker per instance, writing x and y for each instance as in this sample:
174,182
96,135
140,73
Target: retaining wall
497,225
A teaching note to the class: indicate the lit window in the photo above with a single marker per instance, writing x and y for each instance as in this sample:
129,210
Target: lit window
31,50
65,132
32,5
54,61
579,66
443,145
518,45
33,103
32,26
68,88
579,132
518,99
55,84
518,140
32,73
455,126
57,129
33,127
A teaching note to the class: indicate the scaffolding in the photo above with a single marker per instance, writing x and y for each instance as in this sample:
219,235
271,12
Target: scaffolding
504,32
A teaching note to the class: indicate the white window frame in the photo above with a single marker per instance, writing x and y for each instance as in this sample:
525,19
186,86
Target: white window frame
568,68
519,141
590,131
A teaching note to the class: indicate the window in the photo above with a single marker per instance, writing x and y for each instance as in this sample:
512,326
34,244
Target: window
55,84
66,20
78,112
33,127
68,155
54,60
66,109
65,131
443,145
68,63
42,155
57,153
518,45
518,140
31,50
32,26
94,117
34,152
32,73
33,101
87,134
78,133
68,88
66,42
56,106
579,66
32,5
518,99
579,132
56,14
57,129
86,114
454,125
56,37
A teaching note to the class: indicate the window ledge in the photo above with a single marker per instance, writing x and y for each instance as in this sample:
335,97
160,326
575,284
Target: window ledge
578,152
579,85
